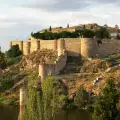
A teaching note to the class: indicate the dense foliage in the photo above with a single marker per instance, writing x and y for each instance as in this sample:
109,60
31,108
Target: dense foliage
2,60
106,106
64,34
14,51
48,35
6,83
82,98
42,100
102,33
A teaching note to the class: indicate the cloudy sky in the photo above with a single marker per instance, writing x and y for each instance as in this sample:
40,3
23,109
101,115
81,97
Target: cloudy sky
18,18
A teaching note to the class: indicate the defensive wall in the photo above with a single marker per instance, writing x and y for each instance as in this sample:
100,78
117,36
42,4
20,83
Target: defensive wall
52,69
86,47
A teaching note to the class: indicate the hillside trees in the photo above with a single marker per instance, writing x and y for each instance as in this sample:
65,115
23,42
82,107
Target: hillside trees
102,33
64,34
42,101
106,106
14,51
2,60
82,97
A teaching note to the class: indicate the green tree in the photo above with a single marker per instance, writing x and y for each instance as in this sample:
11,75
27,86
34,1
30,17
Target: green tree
6,83
106,106
50,29
14,51
118,36
88,33
67,25
102,33
2,60
42,101
82,97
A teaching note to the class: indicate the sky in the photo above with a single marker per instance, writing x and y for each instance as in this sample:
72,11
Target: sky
18,18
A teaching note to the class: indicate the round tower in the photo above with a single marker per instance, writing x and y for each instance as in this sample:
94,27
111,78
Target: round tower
88,47
55,45
42,71
35,45
26,47
22,101
61,47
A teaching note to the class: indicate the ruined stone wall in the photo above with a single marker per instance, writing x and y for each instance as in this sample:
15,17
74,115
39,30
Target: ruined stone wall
17,42
109,47
53,69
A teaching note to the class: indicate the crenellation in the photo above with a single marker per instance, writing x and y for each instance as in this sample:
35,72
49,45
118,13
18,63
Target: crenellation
86,47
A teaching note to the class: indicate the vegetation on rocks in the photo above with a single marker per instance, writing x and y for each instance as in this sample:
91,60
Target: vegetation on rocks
2,60
106,106
81,98
6,83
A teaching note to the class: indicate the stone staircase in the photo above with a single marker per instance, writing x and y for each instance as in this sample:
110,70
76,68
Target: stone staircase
72,66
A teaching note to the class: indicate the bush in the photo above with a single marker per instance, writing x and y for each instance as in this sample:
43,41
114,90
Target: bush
2,60
82,97
5,83
106,106
14,51
102,33
11,61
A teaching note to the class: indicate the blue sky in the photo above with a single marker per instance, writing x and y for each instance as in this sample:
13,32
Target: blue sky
18,18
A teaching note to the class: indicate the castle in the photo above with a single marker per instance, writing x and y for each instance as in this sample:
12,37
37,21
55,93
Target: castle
85,47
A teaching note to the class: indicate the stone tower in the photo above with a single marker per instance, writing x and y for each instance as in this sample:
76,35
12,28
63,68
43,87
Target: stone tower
26,48
88,47
42,70
61,46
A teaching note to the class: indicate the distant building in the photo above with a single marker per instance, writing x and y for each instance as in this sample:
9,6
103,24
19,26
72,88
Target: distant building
114,32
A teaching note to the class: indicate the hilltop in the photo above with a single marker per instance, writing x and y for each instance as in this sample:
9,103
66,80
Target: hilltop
90,26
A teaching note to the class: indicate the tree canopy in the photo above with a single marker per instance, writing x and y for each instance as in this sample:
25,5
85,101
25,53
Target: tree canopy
48,35
2,60
106,106
102,33
14,51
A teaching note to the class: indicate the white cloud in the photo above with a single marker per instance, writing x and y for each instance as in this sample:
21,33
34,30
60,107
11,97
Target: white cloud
17,22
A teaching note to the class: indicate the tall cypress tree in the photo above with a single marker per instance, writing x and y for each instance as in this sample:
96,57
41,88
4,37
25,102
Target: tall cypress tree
50,29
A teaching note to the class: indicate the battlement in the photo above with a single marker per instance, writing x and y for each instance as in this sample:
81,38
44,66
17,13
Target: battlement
86,47
74,46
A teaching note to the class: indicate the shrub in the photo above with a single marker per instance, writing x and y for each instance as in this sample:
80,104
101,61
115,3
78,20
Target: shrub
82,97
2,60
106,106
6,83
14,51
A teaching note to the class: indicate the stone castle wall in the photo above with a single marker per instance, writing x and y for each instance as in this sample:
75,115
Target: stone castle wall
17,42
86,47
53,69
109,47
